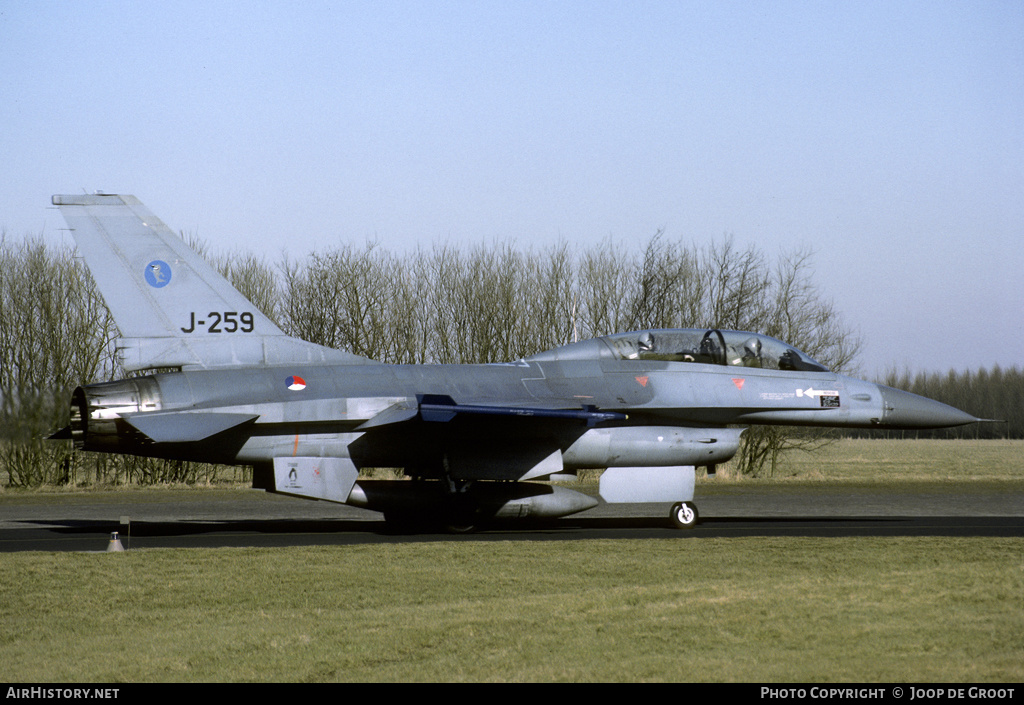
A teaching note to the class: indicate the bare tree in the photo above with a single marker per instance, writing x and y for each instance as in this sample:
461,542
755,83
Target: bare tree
54,332
604,291
667,287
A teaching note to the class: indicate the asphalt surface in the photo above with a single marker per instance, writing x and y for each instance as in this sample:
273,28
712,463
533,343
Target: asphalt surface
219,518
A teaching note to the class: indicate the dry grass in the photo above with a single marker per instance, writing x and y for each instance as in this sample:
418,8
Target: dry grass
868,460
787,609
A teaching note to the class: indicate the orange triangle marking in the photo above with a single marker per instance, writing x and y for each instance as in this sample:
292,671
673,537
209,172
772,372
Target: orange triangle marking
642,381
738,382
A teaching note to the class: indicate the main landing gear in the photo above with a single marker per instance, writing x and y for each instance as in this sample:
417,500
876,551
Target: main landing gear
684,515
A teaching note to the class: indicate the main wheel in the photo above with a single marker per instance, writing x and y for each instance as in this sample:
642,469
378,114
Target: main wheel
684,515
460,526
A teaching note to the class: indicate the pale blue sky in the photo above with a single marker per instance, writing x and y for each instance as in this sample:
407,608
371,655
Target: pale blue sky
889,136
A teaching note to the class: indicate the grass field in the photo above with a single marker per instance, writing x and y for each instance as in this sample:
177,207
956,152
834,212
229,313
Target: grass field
911,609
867,460
744,609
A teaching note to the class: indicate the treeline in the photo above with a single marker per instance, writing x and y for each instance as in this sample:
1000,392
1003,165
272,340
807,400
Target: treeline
483,303
497,303
994,393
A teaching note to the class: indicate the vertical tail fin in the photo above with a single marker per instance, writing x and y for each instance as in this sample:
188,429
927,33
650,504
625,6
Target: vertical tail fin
172,308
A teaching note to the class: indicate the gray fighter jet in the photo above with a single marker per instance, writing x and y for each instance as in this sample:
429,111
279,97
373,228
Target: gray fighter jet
475,441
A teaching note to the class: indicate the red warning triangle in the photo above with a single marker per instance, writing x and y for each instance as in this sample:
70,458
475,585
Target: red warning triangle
738,382
642,381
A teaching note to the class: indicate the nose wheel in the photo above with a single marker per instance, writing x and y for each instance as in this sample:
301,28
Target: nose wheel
684,515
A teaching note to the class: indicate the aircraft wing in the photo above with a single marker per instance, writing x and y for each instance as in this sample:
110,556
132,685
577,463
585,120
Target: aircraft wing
482,441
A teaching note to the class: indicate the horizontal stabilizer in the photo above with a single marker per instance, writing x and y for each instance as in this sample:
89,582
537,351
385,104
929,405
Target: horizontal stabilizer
442,408
184,426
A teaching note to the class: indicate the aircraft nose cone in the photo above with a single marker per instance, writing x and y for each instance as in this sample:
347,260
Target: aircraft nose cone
906,410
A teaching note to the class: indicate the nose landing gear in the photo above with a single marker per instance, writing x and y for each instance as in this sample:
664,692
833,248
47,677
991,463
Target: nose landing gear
684,515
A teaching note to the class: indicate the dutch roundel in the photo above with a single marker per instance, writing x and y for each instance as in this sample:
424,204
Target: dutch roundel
295,383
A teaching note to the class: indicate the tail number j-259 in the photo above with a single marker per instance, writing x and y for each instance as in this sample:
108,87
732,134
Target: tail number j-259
226,322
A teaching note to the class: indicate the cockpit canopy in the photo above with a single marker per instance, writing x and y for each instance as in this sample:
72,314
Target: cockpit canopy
708,346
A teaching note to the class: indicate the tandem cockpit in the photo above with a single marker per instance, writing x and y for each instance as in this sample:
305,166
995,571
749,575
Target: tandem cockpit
699,345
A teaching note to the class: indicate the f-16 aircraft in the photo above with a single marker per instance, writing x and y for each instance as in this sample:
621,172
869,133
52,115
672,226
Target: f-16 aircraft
476,442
